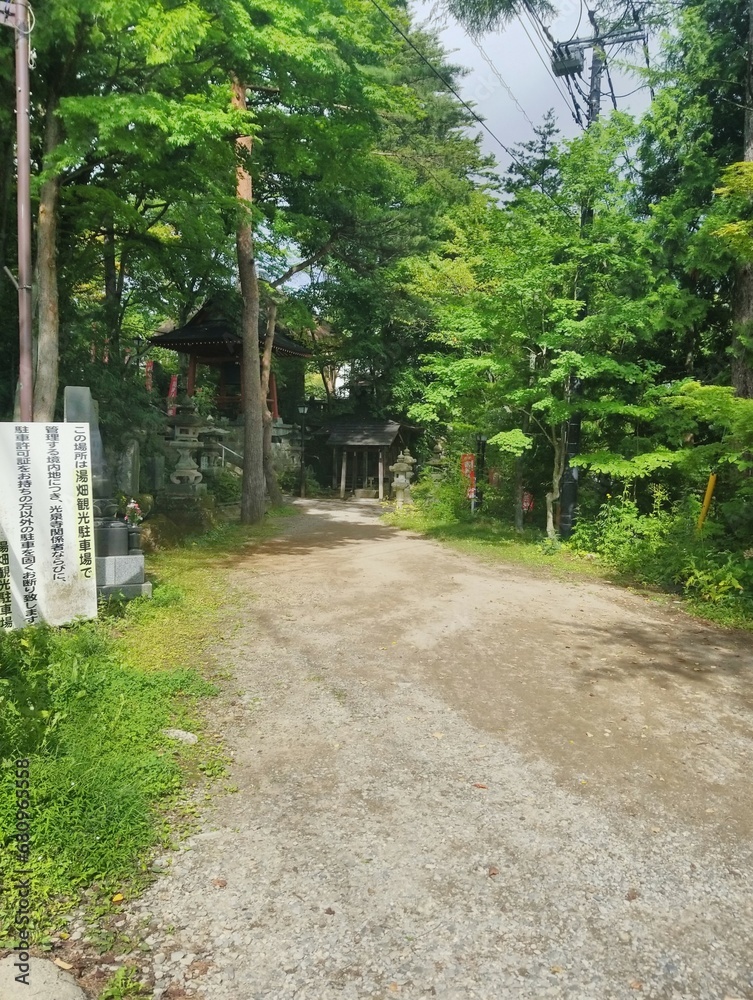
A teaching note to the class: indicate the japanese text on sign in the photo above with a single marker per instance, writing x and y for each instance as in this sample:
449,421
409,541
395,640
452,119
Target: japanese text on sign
47,558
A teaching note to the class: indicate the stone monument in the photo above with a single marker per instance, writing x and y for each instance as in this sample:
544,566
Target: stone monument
119,569
437,463
403,469
186,477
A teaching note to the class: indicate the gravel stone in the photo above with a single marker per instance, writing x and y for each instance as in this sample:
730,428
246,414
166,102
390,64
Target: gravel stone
424,717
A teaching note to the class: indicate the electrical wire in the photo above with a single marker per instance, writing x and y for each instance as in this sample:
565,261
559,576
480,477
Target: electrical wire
611,85
622,97
580,18
577,106
439,76
465,104
546,67
482,52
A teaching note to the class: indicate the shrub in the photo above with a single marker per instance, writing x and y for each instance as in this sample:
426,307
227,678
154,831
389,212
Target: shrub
446,499
662,547
225,486
289,481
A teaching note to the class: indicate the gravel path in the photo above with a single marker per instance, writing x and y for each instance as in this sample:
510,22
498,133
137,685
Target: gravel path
463,781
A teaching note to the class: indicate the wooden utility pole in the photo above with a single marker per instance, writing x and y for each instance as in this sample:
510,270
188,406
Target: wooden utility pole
16,15
570,57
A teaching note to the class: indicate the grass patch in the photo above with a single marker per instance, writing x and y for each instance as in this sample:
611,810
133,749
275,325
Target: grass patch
496,542
85,704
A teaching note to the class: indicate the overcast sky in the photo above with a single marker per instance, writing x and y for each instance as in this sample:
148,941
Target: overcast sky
515,59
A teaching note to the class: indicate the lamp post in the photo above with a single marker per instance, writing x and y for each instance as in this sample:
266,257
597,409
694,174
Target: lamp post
16,15
303,410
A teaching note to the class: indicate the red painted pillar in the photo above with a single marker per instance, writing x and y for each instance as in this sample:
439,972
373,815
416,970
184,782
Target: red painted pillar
273,396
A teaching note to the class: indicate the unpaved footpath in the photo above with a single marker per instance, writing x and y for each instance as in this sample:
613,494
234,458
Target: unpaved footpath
463,780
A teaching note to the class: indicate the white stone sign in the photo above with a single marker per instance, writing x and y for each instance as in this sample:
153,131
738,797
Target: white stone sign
46,525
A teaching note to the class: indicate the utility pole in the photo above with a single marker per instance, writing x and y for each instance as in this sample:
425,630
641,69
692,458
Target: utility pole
16,15
567,60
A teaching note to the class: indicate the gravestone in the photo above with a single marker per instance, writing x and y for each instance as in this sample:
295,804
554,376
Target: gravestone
80,408
129,468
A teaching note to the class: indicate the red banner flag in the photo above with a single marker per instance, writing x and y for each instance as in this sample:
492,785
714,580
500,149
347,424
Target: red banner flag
148,372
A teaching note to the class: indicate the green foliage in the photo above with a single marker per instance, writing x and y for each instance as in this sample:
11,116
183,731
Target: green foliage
225,486
90,727
289,481
124,984
445,500
86,704
663,547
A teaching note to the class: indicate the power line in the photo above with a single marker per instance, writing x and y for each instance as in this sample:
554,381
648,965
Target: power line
578,118
481,51
580,18
546,67
467,106
516,159
439,76
611,85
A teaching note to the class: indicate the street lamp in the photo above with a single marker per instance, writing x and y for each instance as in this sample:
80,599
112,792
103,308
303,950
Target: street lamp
303,410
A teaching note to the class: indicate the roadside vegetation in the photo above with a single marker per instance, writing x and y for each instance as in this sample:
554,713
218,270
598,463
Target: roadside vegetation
87,705
658,546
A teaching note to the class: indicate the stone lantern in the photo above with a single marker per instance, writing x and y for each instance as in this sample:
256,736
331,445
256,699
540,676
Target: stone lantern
186,476
437,463
403,470
211,437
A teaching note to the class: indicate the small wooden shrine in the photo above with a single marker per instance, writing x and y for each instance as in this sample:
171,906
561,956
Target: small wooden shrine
362,451
212,337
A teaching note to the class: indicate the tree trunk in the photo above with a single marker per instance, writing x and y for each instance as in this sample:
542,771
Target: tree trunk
518,494
252,496
273,488
558,467
742,338
48,340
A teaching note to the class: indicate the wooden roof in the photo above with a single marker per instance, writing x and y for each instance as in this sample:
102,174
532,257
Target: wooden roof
363,433
213,334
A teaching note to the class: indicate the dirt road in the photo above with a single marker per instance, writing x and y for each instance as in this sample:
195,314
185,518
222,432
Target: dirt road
463,780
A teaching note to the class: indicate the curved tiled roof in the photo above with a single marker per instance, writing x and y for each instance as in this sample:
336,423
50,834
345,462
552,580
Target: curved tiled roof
211,333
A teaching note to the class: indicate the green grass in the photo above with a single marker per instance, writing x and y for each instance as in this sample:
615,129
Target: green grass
86,705
494,541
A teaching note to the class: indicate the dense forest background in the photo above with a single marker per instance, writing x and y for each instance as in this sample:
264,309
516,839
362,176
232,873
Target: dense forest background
608,277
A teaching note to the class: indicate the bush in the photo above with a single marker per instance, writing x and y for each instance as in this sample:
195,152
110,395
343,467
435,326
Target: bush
662,547
289,481
224,486
447,499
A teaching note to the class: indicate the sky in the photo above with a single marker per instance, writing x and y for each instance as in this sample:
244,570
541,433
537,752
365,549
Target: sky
513,105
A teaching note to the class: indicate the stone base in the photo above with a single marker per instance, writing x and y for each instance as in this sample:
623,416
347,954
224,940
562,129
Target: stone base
185,489
366,494
115,570
122,576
